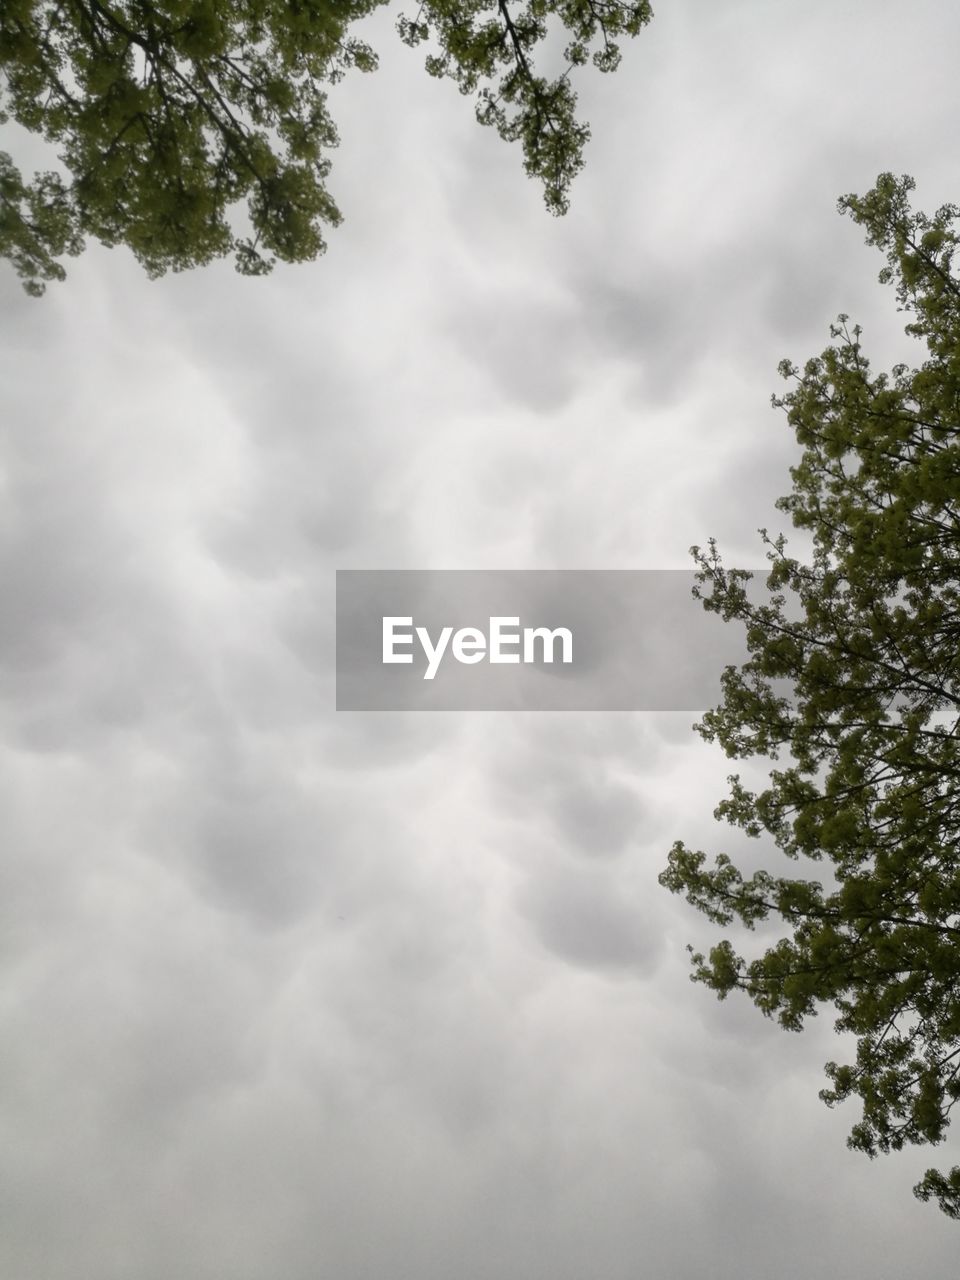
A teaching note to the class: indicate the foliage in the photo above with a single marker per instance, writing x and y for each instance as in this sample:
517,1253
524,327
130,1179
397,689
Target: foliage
867,637
483,42
168,115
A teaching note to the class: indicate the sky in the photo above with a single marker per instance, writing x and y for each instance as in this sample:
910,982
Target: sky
340,996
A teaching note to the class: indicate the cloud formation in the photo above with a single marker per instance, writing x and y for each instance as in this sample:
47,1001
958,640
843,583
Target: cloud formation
292,993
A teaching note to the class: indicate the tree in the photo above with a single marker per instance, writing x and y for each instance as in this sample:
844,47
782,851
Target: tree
854,679
168,115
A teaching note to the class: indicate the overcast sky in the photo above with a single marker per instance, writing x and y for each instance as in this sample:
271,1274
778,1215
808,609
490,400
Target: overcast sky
294,994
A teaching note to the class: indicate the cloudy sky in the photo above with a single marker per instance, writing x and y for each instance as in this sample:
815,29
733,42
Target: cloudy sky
296,993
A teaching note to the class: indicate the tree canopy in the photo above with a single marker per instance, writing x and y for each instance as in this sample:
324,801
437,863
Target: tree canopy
853,686
168,115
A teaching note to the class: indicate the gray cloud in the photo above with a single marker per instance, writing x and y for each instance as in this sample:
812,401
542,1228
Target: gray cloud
591,924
